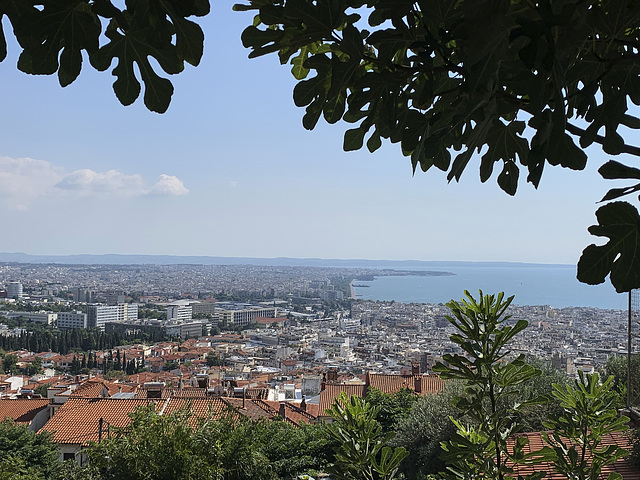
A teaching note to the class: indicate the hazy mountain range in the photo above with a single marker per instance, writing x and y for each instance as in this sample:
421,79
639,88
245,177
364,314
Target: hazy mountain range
117,259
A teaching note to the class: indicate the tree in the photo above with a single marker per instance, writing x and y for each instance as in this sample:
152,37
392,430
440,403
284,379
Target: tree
520,82
21,447
9,362
54,34
491,379
589,413
392,408
424,428
144,450
616,366
362,453
213,359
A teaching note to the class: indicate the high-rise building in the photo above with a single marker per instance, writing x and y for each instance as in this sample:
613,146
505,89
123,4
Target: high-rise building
99,315
14,290
180,313
72,320
83,295
115,298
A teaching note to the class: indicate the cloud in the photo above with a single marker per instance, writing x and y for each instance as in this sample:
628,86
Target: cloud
168,185
25,181
111,182
233,183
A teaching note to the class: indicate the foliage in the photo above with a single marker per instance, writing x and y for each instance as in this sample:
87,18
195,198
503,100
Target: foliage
519,82
362,453
635,448
25,454
9,362
531,418
491,379
424,428
230,447
392,408
15,468
34,367
589,414
213,360
616,366
156,446
53,34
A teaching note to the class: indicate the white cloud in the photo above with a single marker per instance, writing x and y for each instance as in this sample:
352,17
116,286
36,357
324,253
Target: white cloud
112,182
168,185
233,183
24,181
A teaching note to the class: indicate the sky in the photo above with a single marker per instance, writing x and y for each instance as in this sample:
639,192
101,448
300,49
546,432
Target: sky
229,170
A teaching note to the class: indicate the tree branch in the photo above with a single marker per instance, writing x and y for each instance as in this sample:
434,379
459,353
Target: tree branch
575,130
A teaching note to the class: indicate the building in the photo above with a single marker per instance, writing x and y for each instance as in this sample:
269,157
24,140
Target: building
48,318
203,308
180,313
186,329
82,295
72,320
242,314
115,298
99,315
14,290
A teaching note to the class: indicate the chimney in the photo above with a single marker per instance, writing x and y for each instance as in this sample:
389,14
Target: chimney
418,384
415,368
244,397
323,383
303,405
282,412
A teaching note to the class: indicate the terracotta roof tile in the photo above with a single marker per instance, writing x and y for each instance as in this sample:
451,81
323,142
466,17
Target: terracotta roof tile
331,392
623,466
77,421
22,410
94,387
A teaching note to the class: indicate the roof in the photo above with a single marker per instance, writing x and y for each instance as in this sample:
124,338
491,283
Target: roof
423,384
331,392
623,466
22,410
94,387
77,420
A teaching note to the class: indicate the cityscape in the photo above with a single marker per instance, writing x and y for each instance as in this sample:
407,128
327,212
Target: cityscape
87,345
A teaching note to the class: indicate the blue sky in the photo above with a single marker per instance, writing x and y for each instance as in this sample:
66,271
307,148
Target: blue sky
230,171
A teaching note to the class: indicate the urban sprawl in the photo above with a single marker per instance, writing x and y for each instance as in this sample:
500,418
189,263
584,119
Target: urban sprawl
270,341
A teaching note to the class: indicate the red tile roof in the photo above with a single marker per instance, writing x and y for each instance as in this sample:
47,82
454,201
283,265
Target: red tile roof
22,410
331,392
94,387
77,420
423,384
623,466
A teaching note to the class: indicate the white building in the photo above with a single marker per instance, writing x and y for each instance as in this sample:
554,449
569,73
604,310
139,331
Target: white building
242,313
180,313
48,318
72,320
98,315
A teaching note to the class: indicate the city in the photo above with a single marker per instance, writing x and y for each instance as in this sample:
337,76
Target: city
285,340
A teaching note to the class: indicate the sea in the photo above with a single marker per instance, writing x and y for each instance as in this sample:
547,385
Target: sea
532,284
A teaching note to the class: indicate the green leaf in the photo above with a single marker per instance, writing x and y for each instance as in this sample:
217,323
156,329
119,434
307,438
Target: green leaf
58,34
620,257
615,170
135,48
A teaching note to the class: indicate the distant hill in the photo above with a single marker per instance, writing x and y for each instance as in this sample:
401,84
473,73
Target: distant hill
116,259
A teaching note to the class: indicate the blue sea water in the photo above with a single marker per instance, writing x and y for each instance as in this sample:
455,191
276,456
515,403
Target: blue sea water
532,284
